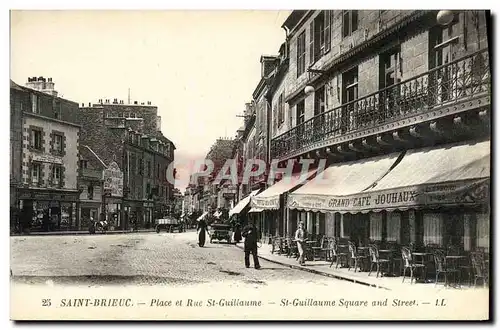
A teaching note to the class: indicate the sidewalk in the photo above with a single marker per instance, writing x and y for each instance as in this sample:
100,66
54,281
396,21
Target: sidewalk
323,268
83,232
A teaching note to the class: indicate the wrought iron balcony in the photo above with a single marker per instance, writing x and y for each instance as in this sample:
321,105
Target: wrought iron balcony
455,83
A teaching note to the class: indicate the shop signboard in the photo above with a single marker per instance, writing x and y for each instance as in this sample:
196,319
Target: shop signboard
266,203
451,193
48,196
47,158
113,180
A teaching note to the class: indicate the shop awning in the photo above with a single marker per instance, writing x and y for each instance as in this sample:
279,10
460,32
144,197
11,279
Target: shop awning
202,216
325,192
242,204
456,174
255,210
269,199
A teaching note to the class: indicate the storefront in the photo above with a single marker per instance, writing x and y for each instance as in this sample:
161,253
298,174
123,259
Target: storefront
436,195
268,207
113,197
148,214
89,210
240,211
48,210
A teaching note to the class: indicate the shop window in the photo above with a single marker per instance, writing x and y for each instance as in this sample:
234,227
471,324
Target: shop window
349,22
483,230
393,226
301,54
36,139
90,192
433,228
56,175
36,173
376,226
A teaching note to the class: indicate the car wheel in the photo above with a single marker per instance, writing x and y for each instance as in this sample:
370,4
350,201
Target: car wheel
157,229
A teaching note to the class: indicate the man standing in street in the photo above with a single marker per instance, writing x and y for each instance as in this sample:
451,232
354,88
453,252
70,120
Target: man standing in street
250,234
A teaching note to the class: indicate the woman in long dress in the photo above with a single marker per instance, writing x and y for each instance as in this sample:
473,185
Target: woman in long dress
202,228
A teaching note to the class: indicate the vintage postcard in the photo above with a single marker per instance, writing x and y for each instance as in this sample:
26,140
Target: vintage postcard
250,164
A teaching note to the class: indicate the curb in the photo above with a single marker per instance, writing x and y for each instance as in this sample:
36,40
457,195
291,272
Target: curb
83,232
318,272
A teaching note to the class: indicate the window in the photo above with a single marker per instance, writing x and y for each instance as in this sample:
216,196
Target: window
319,36
349,93
350,85
390,74
158,171
140,166
319,107
390,68
56,175
36,139
90,192
281,110
149,168
148,190
36,173
35,108
300,109
83,164
58,143
349,22
301,54
57,111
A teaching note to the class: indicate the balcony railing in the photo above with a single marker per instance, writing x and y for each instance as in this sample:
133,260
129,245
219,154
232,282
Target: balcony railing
454,82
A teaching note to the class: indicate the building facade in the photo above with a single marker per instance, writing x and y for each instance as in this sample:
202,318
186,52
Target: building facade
361,84
44,157
129,136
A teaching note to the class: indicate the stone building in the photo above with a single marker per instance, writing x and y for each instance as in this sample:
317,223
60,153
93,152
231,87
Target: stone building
44,157
387,98
129,135
91,186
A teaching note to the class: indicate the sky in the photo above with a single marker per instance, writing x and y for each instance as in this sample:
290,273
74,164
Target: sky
198,67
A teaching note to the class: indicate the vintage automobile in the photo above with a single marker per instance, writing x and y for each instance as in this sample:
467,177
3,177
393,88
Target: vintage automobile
221,232
169,224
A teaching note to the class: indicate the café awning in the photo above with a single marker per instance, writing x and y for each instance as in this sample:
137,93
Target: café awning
255,210
325,192
456,174
242,204
269,199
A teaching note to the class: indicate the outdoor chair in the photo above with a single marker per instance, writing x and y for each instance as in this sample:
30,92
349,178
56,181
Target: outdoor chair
376,261
443,268
318,250
327,251
409,263
354,257
340,258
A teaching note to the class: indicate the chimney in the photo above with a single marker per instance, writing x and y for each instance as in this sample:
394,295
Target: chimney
135,102
83,105
90,104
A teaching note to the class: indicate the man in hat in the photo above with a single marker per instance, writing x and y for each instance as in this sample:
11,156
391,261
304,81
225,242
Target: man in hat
300,237
250,234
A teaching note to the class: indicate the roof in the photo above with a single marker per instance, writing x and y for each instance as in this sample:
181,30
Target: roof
293,19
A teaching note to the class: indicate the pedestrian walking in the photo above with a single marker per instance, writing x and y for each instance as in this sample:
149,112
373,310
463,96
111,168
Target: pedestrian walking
202,228
250,234
300,237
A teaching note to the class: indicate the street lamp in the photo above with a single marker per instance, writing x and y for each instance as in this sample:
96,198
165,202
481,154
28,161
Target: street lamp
444,17
308,90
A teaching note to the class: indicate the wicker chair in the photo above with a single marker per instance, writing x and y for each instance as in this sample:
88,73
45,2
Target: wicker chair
443,268
376,261
409,263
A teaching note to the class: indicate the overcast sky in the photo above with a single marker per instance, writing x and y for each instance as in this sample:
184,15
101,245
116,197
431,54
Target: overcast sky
198,67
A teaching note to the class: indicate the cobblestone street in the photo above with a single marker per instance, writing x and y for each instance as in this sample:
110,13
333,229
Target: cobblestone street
144,258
